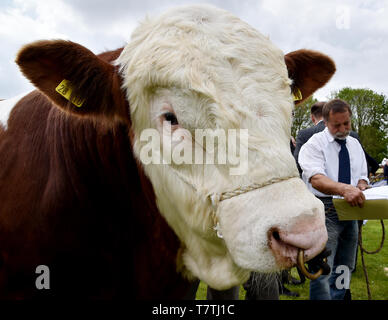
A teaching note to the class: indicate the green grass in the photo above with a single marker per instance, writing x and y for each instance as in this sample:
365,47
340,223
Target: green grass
201,292
375,264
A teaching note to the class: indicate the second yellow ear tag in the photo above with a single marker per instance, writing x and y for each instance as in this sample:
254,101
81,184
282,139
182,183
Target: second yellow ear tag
297,95
65,89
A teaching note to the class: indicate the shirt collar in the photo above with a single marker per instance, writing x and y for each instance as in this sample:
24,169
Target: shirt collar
330,138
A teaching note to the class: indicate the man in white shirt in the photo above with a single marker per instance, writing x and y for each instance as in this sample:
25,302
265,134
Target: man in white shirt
333,163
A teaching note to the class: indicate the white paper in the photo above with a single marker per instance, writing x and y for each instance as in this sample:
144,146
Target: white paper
373,193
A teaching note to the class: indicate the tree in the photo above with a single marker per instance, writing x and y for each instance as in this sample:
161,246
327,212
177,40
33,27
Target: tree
301,116
369,119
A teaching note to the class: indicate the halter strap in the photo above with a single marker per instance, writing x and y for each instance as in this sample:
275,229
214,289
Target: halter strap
216,198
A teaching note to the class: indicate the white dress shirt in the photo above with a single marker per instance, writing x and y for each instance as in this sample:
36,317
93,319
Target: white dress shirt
319,155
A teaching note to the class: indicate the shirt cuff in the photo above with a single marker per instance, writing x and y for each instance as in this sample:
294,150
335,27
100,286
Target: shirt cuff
312,172
364,178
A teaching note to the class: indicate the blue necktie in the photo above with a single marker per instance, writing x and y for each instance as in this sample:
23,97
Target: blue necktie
343,163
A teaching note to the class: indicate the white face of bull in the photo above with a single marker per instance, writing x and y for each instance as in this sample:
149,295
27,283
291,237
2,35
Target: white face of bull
212,71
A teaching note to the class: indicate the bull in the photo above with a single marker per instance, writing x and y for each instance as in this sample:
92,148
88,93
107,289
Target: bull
77,196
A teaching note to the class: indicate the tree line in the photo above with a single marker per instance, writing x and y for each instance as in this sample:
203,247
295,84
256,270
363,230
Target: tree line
369,119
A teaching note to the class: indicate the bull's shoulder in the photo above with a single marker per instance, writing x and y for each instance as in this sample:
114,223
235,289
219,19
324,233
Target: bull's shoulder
16,112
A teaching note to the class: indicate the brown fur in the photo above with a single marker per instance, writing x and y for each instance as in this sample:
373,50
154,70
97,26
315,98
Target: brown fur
47,63
73,197
309,70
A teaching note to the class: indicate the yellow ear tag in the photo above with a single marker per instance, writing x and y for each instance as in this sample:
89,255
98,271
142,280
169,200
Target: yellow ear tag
65,89
297,95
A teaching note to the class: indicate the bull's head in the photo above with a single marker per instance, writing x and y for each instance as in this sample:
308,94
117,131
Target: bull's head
202,68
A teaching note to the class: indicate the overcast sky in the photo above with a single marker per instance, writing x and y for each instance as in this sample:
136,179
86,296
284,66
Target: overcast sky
354,33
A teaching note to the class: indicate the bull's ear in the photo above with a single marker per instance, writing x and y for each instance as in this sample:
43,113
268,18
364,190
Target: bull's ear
74,78
309,71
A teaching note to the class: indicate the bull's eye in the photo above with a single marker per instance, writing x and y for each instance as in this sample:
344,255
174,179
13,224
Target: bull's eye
169,116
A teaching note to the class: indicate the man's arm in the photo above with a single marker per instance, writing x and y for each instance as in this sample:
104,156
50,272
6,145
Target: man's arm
353,195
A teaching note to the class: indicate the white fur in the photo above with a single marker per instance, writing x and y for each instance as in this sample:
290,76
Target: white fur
215,71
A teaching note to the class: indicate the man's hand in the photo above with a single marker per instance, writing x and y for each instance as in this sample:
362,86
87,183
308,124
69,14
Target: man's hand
362,185
353,195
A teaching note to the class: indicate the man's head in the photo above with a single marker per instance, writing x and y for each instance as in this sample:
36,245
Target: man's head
337,116
316,112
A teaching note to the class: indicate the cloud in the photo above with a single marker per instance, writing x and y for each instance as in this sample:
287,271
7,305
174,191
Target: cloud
25,22
352,32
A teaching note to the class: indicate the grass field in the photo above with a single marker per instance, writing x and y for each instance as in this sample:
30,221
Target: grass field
375,264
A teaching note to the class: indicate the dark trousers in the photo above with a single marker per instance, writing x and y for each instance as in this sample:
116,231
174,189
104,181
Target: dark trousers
342,242
259,286
229,294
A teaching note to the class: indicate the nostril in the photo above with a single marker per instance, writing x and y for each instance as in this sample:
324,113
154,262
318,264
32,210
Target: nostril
285,254
276,235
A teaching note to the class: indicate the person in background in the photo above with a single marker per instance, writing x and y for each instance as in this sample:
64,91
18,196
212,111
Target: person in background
384,164
292,144
334,163
319,125
305,134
